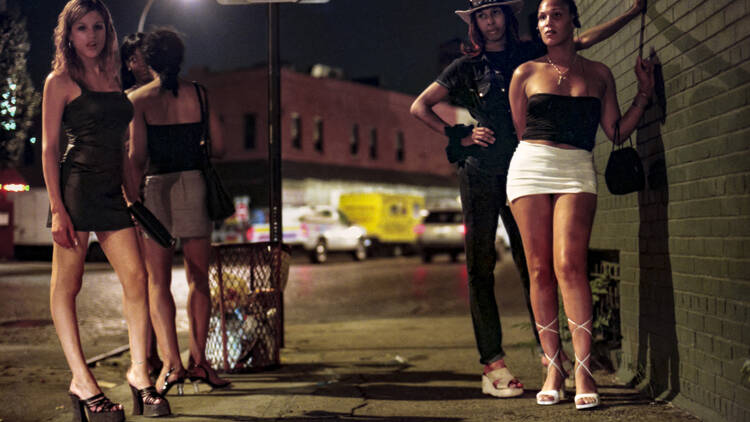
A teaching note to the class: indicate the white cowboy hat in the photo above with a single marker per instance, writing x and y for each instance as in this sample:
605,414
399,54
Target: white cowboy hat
516,5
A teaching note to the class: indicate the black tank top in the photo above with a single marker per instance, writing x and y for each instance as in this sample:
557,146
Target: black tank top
563,119
173,148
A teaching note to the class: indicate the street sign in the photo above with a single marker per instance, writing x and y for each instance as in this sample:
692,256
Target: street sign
243,2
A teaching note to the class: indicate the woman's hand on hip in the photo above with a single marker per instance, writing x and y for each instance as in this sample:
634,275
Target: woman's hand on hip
481,136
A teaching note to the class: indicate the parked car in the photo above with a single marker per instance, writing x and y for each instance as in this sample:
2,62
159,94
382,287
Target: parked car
443,230
317,230
329,230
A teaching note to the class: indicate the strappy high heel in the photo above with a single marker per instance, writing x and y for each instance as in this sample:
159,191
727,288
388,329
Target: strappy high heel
179,382
144,402
558,394
97,408
581,364
196,379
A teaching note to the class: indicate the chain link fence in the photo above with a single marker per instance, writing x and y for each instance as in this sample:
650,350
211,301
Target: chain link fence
246,324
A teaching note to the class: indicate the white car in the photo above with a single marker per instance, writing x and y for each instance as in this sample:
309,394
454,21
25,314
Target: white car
329,230
319,230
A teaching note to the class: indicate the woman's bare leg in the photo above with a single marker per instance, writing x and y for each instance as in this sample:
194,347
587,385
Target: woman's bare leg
196,251
163,310
65,283
573,219
123,253
533,213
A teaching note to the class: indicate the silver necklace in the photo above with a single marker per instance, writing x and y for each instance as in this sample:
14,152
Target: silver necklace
562,75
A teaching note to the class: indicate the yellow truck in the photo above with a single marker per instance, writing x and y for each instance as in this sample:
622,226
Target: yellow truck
388,218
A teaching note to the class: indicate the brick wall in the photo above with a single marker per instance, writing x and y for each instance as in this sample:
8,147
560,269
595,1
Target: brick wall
684,242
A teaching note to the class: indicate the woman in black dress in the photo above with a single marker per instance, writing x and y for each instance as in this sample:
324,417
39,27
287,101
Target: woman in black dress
82,96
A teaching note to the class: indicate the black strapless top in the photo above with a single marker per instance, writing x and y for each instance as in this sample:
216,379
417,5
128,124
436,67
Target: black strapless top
563,119
173,148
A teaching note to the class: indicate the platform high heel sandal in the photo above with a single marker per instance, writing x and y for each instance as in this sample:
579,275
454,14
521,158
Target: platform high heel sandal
581,364
179,382
200,373
145,402
97,408
558,394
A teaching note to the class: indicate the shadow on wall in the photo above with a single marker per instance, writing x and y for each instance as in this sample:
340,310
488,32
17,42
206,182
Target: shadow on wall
658,358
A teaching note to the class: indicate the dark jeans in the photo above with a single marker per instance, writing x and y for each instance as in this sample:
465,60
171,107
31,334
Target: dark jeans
483,200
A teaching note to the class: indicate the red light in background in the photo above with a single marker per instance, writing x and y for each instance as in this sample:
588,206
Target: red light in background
462,229
419,229
14,187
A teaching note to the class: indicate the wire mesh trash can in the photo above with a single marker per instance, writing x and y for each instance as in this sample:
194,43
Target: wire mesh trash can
247,323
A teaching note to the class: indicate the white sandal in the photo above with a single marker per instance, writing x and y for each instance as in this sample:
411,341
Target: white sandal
558,394
497,383
581,364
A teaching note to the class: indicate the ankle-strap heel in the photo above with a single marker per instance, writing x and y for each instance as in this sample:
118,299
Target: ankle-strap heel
558,394
580,363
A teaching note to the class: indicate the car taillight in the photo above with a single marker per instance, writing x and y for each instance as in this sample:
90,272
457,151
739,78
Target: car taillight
462,229
419,229
249,234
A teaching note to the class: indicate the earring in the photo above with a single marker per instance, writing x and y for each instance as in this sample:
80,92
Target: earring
70,45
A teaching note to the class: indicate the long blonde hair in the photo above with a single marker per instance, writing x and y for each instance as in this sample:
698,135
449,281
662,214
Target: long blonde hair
66,59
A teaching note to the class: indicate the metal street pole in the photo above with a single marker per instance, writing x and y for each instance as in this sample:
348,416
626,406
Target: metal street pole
144,13
274,127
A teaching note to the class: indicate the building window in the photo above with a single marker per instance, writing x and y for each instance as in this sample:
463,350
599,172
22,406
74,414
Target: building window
354,141
250,131
374,143
318,134
296,131
400,146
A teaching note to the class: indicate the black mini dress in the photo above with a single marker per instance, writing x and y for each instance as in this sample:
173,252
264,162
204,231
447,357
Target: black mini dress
91,171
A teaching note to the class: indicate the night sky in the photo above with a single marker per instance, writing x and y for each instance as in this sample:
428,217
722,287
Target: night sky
394,40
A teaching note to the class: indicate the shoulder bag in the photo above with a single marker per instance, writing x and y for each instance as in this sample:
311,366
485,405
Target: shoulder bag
219,203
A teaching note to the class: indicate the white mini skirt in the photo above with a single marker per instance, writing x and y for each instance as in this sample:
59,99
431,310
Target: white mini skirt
543,169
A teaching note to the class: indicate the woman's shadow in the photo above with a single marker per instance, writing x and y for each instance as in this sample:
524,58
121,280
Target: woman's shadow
658,358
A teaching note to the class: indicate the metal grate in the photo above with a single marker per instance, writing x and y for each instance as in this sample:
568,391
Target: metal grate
247,323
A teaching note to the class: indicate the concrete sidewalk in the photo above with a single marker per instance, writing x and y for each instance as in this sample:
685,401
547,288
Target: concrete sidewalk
410,369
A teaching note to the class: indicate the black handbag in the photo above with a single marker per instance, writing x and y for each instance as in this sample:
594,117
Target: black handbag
219,203
151,225
624,173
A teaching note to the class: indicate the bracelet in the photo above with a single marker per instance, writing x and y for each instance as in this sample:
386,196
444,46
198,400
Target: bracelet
643,104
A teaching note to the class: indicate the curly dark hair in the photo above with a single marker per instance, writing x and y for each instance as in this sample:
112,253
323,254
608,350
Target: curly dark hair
130,44
164,50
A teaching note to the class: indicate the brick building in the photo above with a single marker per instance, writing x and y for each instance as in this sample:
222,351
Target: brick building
681,247
337,136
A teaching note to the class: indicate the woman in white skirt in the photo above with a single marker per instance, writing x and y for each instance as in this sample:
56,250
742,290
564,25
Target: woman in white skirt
558,101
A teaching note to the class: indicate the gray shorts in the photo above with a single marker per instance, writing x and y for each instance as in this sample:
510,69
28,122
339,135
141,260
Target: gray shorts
178,200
